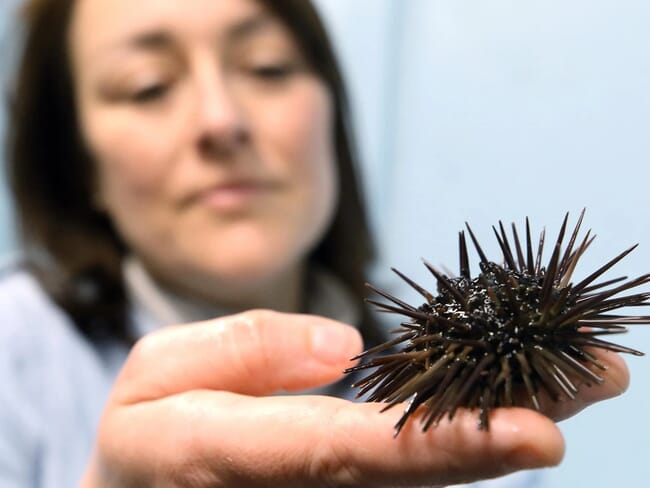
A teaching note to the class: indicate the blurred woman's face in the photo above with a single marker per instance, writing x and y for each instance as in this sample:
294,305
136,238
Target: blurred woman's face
212,138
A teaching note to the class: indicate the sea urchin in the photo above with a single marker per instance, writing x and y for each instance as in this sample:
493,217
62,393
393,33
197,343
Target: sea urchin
502,337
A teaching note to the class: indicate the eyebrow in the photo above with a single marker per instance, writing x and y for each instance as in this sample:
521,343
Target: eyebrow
160,39
249,27
154,40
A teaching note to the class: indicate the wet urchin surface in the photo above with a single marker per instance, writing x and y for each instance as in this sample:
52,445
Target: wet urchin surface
504,336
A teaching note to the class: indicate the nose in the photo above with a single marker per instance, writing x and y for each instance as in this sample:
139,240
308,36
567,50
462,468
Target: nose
220,121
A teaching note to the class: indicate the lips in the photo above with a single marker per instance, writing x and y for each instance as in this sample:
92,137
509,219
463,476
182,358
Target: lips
235,195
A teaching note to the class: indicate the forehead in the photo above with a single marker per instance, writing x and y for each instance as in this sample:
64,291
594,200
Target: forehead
99,24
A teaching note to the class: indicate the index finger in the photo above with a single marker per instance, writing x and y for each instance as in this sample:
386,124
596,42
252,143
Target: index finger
321,441
363,451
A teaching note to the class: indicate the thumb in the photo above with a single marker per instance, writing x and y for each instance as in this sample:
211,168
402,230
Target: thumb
253,353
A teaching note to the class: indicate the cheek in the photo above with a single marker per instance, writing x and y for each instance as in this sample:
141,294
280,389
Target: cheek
131,161
132,168
303,145
306,126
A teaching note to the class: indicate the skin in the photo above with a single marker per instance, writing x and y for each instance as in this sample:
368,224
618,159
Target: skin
216,172
189,409
212,140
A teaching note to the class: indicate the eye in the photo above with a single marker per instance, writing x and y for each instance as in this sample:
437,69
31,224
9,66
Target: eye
274,72
150,93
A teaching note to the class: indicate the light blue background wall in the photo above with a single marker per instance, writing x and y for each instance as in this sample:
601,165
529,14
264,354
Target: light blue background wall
487,110
495,109
8,44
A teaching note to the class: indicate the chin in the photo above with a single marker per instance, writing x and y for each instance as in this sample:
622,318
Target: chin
245,273
246,256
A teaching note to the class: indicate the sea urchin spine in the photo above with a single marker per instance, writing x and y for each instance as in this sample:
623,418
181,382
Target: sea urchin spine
500,338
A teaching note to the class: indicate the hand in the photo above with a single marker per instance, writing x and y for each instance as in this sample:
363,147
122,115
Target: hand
188,410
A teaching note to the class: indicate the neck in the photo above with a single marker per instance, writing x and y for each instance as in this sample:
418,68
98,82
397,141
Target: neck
157,304
283,293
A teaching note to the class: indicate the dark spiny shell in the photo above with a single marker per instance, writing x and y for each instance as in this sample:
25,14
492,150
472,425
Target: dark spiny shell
515,327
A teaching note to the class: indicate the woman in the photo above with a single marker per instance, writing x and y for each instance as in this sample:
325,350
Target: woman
178,161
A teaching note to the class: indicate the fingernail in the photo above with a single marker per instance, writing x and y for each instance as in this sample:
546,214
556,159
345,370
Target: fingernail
331,343
526,458
543,452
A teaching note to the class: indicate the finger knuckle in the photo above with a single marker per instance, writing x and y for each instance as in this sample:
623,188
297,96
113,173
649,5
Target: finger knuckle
145,349
331,460
248,337
193,474
331,468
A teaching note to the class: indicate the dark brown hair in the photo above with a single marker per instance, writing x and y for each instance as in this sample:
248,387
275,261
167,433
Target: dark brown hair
72,248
